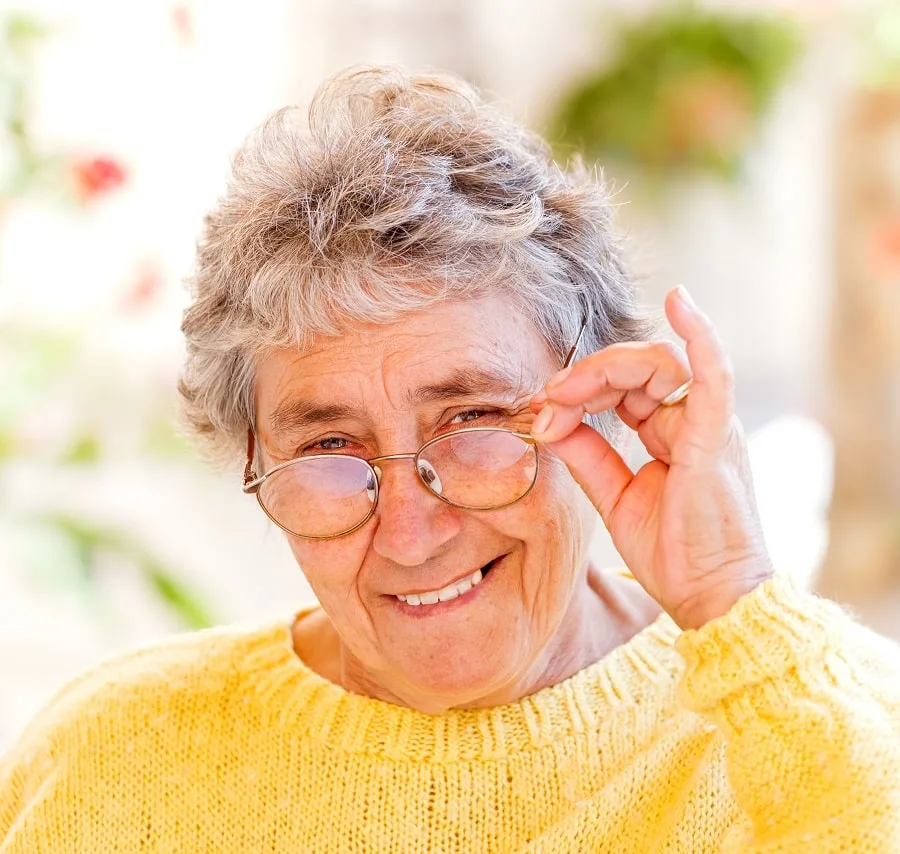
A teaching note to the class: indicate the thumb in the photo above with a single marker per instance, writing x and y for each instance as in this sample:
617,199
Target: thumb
596,466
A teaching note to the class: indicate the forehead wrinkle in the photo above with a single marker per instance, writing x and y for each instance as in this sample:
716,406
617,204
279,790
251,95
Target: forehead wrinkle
492,373
303,407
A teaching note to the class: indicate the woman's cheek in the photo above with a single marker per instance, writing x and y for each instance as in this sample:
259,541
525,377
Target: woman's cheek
331,566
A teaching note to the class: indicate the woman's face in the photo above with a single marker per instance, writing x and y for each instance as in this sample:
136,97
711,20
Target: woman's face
386,390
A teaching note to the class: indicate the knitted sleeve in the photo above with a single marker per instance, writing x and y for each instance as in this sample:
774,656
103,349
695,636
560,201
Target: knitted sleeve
808,702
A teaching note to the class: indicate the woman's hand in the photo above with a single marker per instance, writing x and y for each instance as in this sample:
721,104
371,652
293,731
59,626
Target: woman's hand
686,524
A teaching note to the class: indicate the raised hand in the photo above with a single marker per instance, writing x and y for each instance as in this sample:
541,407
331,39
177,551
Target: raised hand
686,523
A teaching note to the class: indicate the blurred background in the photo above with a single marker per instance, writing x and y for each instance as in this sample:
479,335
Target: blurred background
755,151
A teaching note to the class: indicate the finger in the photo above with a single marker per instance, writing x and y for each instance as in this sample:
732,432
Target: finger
628,418
710,406
556,421
634,412
599,380
649,435
656,446
596,466
634,406
638,405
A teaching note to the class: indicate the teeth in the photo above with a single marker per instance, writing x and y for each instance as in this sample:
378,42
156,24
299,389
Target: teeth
445,594
448,593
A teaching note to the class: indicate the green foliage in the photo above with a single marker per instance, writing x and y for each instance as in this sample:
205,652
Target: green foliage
44,376
686,90
26,167
878,53
176,595
84,450
88,542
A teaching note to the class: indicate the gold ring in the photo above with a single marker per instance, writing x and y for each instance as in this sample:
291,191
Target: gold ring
678,395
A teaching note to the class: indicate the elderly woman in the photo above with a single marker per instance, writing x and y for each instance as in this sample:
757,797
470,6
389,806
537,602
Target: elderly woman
420,329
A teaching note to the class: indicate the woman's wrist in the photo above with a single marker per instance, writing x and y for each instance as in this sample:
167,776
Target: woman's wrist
719,599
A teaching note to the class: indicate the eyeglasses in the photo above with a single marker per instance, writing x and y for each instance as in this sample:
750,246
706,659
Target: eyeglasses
328,495
323,496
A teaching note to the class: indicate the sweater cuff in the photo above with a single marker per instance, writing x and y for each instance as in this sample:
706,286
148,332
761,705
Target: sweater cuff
774,629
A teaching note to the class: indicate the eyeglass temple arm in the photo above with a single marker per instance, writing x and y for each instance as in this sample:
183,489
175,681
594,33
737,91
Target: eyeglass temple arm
571,354
249,474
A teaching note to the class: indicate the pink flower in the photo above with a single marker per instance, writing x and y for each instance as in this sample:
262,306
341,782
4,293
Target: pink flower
145,288
183,21
96,176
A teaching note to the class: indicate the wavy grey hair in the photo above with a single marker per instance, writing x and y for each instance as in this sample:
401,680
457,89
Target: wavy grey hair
397,192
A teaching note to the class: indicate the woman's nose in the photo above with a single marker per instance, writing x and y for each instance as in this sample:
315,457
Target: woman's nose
411,522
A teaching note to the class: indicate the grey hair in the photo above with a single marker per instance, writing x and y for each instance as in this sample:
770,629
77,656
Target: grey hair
399,191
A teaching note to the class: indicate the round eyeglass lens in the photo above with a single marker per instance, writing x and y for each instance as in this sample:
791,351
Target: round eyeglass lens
320,496
478,470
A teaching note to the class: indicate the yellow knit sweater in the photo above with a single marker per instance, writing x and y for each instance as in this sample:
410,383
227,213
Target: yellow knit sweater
773,728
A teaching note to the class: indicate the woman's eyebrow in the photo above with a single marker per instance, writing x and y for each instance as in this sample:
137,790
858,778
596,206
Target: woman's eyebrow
296,414
470,381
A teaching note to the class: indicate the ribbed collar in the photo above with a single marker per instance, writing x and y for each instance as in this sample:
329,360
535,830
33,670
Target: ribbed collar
638,677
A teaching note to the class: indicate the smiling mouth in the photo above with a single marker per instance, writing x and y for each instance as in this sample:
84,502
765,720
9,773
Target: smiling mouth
451,591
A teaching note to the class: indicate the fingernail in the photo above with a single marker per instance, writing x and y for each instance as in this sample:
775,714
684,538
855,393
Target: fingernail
686,298
539,398
556,379
542,422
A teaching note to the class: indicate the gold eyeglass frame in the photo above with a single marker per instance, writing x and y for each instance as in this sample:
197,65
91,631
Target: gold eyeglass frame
252,482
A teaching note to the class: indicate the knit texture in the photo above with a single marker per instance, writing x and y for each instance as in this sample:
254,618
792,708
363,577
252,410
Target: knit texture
773,728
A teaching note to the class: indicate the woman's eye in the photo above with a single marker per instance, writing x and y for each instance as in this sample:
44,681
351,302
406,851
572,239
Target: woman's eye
470,415
331,443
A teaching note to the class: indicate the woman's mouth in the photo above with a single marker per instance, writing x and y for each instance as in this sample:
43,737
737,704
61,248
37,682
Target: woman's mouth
451,591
